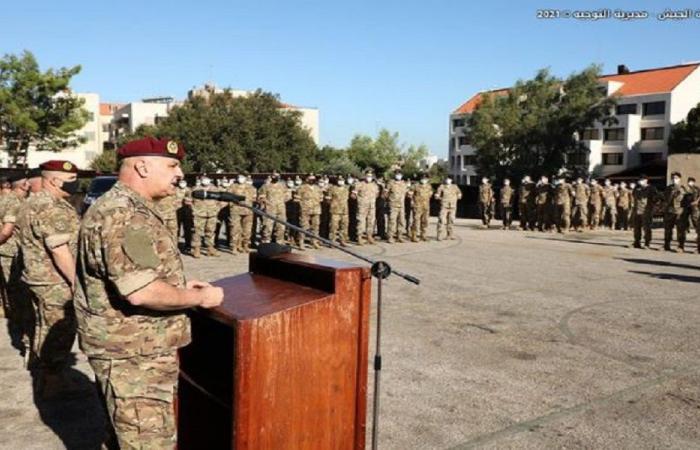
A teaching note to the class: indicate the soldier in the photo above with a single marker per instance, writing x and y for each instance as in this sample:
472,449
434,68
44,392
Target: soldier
624,200
562,203
608,215
132,296
673,212
48,233
272,198
692,209
543,201
595,204
449,195
292,209
310,197
184,213
506,204
240,224
579,214
395,194
352,209
16,305
526,203
366,193
644,197
420,204
205,214
168,208
486,202
337,197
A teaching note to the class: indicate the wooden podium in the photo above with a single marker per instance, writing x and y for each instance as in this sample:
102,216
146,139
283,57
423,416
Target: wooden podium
282,363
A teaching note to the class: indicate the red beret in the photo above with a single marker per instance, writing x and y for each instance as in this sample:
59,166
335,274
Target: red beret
58,165
152,147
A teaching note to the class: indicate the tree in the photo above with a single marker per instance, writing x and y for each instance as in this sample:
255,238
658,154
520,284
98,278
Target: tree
105,162
380,154
37,108
533,128
233,134
685,135
412,159
331,160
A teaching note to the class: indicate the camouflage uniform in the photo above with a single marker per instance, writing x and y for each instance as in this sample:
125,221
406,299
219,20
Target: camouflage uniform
241,219
168,208
624,200
526,205
272,197
580,211
595,205
124,246
609,213
46,223
506,200
543,201
673,214
562,202
205,214
366,194
448,194
337,197
420,204
396,198
643,212
692,211
486,198
310,198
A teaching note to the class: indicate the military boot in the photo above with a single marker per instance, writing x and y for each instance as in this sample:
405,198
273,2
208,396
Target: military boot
370,240
211,251
196,253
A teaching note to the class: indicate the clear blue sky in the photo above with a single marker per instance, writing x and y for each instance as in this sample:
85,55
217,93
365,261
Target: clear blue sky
402,65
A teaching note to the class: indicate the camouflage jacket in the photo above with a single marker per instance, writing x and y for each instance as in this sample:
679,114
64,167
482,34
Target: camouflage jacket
9,211
250,194
124,245
420,196
582,194
526,193
206,208
310,198
366,194
485,194
448,194
168,206
692,198
596,195
45,223
507,195
673,199
610,196
273,194
624,199
644,199
396,193
562,194
543,194
337,197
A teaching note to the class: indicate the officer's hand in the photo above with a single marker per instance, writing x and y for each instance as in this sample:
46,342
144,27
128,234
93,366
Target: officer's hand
211,296
196,284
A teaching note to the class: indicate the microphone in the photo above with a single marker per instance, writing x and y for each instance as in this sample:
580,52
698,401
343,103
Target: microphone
218,196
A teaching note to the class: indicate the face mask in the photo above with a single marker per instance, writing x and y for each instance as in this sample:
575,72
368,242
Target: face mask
70,187
250,182
526,180
424,181
351,180
484,181
691,183
182,184
642,183
341,182
506,183
368,179
594,182
448,181
632,186
398,177
607,183
290,185
676,181
206,182
241,180
544,181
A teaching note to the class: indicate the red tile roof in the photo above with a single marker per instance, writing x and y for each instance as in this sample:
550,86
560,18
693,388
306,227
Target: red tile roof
107,109
649,81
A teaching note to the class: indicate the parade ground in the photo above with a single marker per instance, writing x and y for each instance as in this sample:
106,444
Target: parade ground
512,340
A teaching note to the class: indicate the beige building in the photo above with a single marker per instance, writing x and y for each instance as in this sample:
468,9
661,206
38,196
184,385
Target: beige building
649,102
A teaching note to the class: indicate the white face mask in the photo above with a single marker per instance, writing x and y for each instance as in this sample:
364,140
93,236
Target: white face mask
182,184
398,177
506,183
643,183
297,182
250,182
351,180
607,183
424,181
448,181
676,181
632,185
341,183
368,179
241,180
290,185
484,181
206,182
594,182
691,183
544,181
526,180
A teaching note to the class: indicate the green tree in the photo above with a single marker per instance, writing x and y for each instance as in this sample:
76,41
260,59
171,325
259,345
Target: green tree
380,154
533,128
412,159
331,160
685,135
37,108
105,162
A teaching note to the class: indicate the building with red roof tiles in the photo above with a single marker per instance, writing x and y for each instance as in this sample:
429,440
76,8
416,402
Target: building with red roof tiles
649,101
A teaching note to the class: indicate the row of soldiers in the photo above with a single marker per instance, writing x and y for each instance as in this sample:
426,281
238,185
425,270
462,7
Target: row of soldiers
396,210
565,205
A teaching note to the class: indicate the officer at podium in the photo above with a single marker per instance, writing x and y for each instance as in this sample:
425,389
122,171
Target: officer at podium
132,295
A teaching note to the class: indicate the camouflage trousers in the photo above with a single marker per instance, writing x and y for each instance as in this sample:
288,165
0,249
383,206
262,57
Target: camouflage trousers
309,222
17,303
595,211
56,327
642,224
366,216
138,394
563,216
419,225
271,228
608,216
446,220
240,230
338,228
6,271
579,216
204,227
397,222
671,221
506,215
486,213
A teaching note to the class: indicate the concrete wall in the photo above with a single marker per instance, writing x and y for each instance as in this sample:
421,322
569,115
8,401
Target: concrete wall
685,163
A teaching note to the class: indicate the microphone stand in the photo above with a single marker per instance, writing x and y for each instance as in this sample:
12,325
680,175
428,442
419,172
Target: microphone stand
380,270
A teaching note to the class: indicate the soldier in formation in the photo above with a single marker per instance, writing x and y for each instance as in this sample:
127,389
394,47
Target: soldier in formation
272,198
506,201
486,202
205,212
448,194
420,196
395,196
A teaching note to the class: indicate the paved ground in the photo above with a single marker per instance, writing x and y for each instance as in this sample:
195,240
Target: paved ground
513,340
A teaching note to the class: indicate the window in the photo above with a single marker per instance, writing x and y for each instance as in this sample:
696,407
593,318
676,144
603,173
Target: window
452,145
462,140
653,108
89,136
473,180
105,128
459,162
612,159
590,134
646,158
457,123
614,134
91,116
452,162
653,134
577,158
469,160
630,108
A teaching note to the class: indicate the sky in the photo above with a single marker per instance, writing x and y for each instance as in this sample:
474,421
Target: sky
366,65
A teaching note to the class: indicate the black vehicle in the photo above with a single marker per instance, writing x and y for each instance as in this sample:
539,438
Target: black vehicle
98,186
